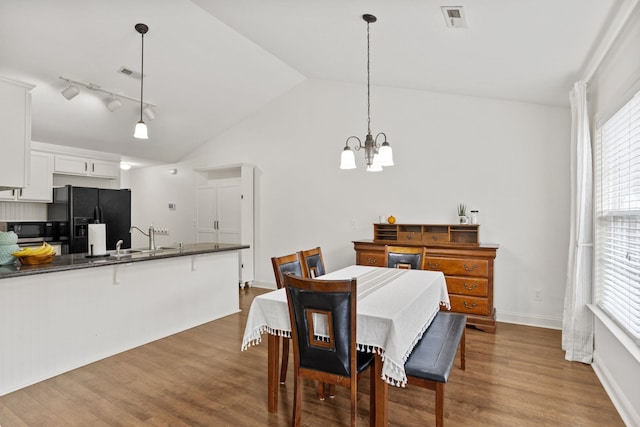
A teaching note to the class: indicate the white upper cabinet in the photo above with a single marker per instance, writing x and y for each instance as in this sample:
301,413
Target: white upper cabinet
73,165
40,181
15,133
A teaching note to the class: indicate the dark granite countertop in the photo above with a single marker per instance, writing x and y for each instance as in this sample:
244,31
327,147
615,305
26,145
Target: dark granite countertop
78,261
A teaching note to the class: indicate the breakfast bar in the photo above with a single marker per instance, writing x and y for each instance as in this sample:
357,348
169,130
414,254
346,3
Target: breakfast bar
76,310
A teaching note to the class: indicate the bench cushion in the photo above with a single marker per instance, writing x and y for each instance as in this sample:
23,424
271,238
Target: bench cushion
433,356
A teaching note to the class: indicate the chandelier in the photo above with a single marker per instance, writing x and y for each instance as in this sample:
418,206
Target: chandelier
376,155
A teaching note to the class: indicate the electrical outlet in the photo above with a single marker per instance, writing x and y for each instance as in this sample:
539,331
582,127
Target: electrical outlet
537,295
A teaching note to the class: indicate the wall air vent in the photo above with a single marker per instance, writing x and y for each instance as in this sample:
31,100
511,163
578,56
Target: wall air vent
129,73
454,16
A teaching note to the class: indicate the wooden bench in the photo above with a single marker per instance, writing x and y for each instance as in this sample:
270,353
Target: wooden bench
431,360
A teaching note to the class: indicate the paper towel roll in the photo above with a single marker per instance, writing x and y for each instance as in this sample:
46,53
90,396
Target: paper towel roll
97,238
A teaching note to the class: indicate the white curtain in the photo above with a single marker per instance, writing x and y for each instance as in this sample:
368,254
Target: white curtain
577,320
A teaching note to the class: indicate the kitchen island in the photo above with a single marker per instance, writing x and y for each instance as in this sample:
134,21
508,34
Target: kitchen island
76,310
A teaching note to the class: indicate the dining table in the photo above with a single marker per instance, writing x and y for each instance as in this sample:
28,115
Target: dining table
394,308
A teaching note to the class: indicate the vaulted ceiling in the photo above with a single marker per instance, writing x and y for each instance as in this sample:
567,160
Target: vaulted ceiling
211,63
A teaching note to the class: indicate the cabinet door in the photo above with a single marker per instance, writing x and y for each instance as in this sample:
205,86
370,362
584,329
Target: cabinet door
8,195
71,165
206,201
40,187
104,169
15,133
229,213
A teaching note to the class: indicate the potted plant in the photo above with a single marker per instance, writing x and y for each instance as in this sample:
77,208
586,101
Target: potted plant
462,213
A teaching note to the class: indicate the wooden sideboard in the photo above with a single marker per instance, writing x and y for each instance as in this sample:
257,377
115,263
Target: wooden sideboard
468,270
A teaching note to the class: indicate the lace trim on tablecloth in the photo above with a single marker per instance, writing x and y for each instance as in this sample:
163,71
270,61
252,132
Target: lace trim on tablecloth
255,337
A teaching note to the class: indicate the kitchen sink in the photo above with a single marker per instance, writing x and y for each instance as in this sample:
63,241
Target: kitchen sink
129,252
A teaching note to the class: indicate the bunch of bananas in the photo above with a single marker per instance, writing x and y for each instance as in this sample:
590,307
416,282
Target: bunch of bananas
40,255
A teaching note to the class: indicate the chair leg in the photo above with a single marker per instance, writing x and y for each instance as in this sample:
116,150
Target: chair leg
285,359
439,404
321,390
297,401
354,400
372,397
462,351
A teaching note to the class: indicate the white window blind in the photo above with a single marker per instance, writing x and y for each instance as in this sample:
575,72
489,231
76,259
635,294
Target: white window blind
617,227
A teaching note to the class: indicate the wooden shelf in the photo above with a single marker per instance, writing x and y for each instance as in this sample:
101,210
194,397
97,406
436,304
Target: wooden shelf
425,234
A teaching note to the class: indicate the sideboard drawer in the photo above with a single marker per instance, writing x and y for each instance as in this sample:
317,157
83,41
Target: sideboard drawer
374,259
410,236
470,305
468,286
458,267
435,238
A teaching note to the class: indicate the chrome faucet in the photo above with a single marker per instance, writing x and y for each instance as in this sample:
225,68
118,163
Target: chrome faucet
151,235
118,244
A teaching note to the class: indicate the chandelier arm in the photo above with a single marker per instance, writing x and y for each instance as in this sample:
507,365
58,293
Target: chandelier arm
355,147
376,139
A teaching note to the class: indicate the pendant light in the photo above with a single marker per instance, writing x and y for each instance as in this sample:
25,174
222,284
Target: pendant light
376,155
141,128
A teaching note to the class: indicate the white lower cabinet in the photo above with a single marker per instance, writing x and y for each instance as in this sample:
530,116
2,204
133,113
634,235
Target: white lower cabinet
55,322
40,181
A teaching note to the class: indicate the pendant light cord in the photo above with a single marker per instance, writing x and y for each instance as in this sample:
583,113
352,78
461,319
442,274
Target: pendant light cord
368,85
142,77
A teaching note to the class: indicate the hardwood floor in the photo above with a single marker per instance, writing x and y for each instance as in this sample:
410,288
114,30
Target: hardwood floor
517,377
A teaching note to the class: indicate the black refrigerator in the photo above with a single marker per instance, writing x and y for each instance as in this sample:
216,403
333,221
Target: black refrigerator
81,206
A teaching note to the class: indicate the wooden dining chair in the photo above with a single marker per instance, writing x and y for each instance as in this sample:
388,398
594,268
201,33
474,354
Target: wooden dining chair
281,266
408,257
312,263
323,331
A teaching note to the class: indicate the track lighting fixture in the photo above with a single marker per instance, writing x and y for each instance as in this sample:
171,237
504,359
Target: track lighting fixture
113,103
71,91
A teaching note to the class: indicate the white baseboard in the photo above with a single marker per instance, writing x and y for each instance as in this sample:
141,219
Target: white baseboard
628,413
263,285
530,320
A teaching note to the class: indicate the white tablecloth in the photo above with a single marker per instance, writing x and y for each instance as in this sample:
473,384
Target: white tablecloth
395,307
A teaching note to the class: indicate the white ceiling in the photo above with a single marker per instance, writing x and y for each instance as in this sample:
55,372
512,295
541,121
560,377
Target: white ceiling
211,63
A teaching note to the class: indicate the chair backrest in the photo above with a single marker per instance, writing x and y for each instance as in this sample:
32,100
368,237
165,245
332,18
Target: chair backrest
324,315
286,264
404,257
312,263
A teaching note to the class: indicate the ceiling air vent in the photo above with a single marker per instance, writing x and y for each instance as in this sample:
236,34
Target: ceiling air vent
454,16
130,73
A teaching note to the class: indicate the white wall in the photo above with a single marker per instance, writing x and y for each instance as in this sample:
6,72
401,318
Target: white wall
616,360
152,189
509,160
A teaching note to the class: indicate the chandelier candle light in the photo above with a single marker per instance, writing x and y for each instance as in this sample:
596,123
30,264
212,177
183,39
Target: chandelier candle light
376,155
141,127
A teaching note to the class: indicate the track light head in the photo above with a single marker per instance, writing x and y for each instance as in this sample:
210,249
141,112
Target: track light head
113,104
71,92
148,113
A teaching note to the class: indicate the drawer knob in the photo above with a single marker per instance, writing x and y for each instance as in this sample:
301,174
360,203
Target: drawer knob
470,288
466,267
409,236
431,265
435,237
372,260
469,307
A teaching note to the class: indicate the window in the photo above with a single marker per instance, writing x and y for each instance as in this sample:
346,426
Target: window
617,213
